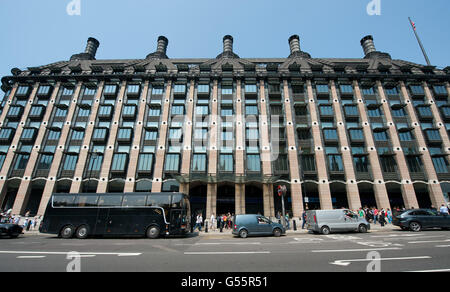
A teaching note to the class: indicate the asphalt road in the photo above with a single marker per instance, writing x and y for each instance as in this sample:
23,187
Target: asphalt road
395,251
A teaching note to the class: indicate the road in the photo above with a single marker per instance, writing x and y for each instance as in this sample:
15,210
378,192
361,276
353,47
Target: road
396,251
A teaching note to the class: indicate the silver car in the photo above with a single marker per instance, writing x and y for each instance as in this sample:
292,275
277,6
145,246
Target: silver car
343,220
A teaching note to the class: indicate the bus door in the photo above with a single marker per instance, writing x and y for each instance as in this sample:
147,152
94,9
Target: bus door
176,217
102,221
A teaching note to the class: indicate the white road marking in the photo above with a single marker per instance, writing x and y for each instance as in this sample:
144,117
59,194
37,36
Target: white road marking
348,262
429,241
65,253
353,250
443,245
378,244
227,243
343,237
430,271
226,253
31,257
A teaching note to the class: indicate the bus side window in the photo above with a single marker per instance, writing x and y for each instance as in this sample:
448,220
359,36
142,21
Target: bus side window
86,201
63,201
134,201
110,201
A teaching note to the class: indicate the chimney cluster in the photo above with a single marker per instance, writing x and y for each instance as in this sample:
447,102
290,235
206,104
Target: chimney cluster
294,45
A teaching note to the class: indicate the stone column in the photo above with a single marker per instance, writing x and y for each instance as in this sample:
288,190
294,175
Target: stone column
381,195
211,195
324,186
240,149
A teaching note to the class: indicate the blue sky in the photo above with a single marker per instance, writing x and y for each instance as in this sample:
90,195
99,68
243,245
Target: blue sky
38,32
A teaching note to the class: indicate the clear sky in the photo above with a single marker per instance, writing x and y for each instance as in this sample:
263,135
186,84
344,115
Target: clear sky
39,32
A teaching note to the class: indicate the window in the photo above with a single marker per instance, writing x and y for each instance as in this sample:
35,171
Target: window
61,112
202,110
440,89
301,110
125,134
346,89
119,162
298,89
157,90
335,162
21,162
440,164
391,90
405,136
77,135
36,111
326,110
154,111
129,110
45,162
424,111
199,162
28,134
368,91
110,201
281,164
67,91
70,162
172,162
227,90
95,162
380,136
399,113
308,162
226,162
304,134
322,88
250,88
251,110
175,133
133,89
178,110
414,163
84,112
226,112
351,110
374,112
145,162
433,135
252,134
203,88
356,134
388,164
253,162
99,134
53,135
22,90
417,89
361,163
105,110
201,134
179,88
330,134
109,90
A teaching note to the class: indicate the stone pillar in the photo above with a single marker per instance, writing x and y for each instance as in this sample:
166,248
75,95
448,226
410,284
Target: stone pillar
381,195
134,153
211,196
353,198
409,195
25,187
323,186
109,151
57,158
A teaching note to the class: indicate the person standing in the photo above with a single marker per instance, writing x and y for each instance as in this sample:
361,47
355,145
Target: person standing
444,209
213,222
303,219
381,217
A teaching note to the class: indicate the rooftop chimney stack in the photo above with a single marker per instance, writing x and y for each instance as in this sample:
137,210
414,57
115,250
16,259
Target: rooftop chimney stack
227,43
294,44
91,47
368,45
163,42
161,49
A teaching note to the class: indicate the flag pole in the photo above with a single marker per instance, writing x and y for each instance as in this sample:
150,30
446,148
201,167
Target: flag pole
420,43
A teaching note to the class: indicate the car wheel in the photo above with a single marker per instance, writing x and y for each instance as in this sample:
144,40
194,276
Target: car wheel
325,230
82,232
243,233
153,232
362,228
67,232
415,226
277,232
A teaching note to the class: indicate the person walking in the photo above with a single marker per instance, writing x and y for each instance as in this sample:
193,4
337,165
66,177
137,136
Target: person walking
287,222
381,217
444,209
198,222
303,219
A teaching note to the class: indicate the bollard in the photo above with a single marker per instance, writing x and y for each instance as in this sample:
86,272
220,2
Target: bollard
295,224
206,227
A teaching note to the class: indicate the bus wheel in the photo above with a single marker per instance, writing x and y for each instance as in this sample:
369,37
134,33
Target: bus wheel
67,232
153,232
82,232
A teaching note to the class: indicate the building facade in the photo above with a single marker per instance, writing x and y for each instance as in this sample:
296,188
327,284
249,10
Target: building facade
368,131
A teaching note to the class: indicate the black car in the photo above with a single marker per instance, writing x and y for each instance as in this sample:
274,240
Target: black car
11,230
418,219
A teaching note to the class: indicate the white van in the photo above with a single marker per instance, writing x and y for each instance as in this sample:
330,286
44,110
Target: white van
343,220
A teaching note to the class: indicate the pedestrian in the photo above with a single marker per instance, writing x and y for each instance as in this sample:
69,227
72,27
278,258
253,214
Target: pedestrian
224,220
303,219
213,222
198,222
287,222
444,209
389,216
381,217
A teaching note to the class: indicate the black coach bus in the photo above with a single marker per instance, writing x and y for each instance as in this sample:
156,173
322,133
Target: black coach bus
117,214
